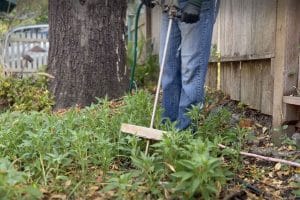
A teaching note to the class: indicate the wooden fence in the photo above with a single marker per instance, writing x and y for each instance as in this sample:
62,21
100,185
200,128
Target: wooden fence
25,52
245,35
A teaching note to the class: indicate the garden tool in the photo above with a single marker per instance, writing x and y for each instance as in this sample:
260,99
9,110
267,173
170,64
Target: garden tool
151,133
165,5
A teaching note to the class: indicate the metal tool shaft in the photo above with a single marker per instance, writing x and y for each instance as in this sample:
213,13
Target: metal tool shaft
160,76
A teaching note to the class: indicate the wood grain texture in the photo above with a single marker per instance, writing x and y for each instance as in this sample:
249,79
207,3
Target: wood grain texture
291,100
140,131
251,82
231,79
211,76
267,87
286,59
247,28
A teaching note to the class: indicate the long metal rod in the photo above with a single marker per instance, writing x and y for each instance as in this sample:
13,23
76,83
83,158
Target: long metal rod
160,77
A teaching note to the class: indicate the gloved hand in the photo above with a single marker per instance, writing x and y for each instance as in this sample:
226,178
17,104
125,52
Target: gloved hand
148,3
190,13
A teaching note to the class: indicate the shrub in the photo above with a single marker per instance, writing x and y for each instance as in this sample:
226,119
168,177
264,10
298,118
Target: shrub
27,94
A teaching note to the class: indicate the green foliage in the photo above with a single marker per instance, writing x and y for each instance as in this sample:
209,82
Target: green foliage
52,149
13,183
197,172
25,94
296,192
215,126
147,67
147,72
138,109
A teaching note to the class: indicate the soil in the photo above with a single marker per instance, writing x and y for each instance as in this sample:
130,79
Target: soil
258,179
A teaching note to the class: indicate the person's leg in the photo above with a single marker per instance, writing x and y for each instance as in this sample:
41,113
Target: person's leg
195,52
171,80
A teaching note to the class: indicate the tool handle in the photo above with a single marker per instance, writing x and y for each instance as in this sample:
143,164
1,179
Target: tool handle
160,78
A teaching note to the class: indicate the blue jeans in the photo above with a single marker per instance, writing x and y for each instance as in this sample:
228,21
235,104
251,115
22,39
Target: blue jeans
186,63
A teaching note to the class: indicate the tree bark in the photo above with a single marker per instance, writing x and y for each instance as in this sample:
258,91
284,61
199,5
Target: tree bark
87,51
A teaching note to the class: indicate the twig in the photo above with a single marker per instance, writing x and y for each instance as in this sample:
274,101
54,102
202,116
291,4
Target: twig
295,164
250,187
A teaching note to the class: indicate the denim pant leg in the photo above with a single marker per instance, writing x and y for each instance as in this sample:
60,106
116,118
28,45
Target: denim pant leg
171,80
195,53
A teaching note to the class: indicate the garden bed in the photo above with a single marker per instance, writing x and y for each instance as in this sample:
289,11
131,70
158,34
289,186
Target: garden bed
81,154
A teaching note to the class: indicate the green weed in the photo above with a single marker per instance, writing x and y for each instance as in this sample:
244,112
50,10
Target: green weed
52,149
13,183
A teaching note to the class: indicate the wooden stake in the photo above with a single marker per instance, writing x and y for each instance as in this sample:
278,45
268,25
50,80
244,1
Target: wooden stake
295,164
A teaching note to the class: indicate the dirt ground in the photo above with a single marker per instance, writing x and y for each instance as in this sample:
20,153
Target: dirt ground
259,179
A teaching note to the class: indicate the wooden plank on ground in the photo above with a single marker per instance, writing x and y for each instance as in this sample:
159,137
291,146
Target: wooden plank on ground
267,87
231,79
251,82
144,132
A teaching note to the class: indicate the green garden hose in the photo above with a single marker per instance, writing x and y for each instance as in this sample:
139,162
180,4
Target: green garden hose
133,66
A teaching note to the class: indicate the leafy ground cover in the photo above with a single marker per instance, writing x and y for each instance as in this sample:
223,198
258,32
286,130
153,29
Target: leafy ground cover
81,154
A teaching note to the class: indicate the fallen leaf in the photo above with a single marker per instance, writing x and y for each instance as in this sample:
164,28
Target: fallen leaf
171,167
99,179
291,148
68,183
271,174
277,166
264,130
246,123
92,190
58,197
258,125
44,191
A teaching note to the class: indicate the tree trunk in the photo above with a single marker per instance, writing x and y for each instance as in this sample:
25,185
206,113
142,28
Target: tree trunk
87,50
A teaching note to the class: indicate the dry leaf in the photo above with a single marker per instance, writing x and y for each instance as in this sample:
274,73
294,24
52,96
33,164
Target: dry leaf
264,130
171,167
291,148
44,190
258,125
99,179
94,188
58,197
277,166
246,123
68,183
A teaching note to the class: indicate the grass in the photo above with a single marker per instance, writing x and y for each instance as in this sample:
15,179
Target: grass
80,153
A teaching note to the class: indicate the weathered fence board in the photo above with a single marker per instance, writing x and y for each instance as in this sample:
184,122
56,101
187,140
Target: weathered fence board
247,28
267,87
251,84
211,76
231,79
